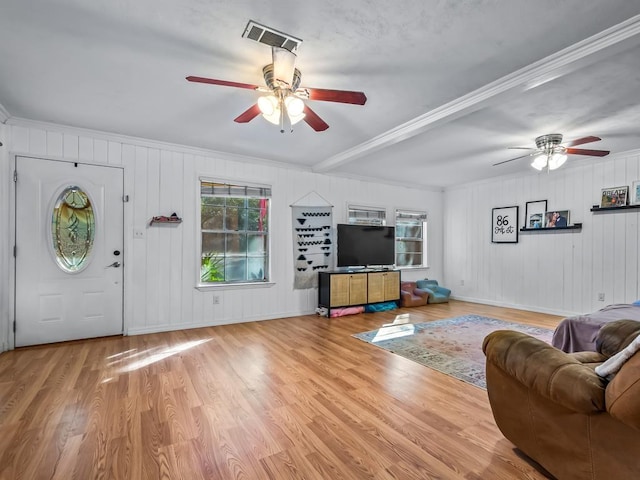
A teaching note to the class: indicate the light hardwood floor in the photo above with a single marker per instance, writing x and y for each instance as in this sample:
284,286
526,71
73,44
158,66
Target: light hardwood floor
281,399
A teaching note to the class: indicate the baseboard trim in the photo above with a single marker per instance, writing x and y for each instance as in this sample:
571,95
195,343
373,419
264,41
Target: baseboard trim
516,306
186,326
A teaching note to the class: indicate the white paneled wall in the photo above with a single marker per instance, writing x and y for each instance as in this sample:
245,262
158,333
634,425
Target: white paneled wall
558,272
5,235
162,268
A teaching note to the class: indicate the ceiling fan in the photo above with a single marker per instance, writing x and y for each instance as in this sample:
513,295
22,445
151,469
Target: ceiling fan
550,154
284,99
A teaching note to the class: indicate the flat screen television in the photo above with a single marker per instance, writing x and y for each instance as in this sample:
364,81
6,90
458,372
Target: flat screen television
365,245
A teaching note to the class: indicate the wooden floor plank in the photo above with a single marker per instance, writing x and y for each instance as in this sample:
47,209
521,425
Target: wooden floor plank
288,398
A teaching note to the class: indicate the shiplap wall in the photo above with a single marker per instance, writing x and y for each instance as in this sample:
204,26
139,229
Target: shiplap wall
559,272
5,184
162,268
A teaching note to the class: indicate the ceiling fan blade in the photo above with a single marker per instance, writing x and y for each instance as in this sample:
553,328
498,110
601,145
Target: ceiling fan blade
248,115
521,148
314,120
583,151
512,159
224,83
583,140
339,96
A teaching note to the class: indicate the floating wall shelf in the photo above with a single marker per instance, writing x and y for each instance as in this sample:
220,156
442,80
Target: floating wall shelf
173,219
598,209
575,226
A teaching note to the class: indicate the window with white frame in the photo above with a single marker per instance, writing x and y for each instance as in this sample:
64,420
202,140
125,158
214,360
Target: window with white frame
234,226
411,238
366,215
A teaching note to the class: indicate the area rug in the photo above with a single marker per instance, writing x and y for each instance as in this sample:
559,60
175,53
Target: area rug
452,346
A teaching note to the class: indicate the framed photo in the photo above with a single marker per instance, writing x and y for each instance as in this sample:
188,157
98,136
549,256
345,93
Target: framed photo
534,214
504,225
556,219
634,198
614,197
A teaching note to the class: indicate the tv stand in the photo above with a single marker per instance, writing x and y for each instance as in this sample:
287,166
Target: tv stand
362,287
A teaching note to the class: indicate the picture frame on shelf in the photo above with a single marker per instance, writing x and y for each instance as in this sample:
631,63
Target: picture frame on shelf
634,195
556,219
504,225
614,196
534,214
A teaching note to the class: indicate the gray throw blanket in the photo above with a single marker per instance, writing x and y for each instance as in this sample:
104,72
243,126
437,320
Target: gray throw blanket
578,334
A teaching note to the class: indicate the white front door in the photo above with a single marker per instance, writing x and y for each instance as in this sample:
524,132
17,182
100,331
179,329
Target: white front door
69,251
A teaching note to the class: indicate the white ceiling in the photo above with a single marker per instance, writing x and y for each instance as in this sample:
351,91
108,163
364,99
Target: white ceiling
450,85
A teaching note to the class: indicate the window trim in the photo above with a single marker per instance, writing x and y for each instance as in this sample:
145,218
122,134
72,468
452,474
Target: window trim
204,286
369,208
425,237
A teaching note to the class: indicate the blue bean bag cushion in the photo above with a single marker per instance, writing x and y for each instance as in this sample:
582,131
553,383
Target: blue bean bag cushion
380,307
437,294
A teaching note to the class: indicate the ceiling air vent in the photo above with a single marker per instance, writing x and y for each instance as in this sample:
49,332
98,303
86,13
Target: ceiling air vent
270,36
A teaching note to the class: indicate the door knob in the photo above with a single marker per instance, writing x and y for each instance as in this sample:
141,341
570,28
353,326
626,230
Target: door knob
114,265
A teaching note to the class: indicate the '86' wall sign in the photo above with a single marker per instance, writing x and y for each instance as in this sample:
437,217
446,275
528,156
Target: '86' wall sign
504,225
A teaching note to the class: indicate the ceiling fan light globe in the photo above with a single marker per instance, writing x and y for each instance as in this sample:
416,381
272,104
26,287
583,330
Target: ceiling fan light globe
296,118
536,166
295,106
273,118
270,108
539,162
268,105
557,160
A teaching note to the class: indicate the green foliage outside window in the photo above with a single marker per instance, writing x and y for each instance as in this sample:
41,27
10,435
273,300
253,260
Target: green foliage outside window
212,268
234,233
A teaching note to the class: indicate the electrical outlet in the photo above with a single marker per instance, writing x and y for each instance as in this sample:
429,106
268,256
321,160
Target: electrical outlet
216,299
138,233
601,297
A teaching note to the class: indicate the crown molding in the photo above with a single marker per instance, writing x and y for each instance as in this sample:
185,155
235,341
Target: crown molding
197,151
148,143
588,51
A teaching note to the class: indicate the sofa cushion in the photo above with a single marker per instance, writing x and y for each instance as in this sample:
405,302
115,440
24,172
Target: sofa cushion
616,335
546,370
613,364
592,359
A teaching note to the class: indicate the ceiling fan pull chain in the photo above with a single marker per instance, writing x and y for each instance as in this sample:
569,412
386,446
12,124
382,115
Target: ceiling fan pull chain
282,108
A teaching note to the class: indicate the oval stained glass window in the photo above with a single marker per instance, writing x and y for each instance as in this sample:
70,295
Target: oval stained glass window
72,229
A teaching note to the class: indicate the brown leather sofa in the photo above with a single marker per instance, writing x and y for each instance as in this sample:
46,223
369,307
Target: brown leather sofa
555,409
412,296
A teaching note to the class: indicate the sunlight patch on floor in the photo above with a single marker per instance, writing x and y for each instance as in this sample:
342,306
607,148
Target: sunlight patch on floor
399,328
153,357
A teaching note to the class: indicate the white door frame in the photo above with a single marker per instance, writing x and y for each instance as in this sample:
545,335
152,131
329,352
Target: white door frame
127,246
